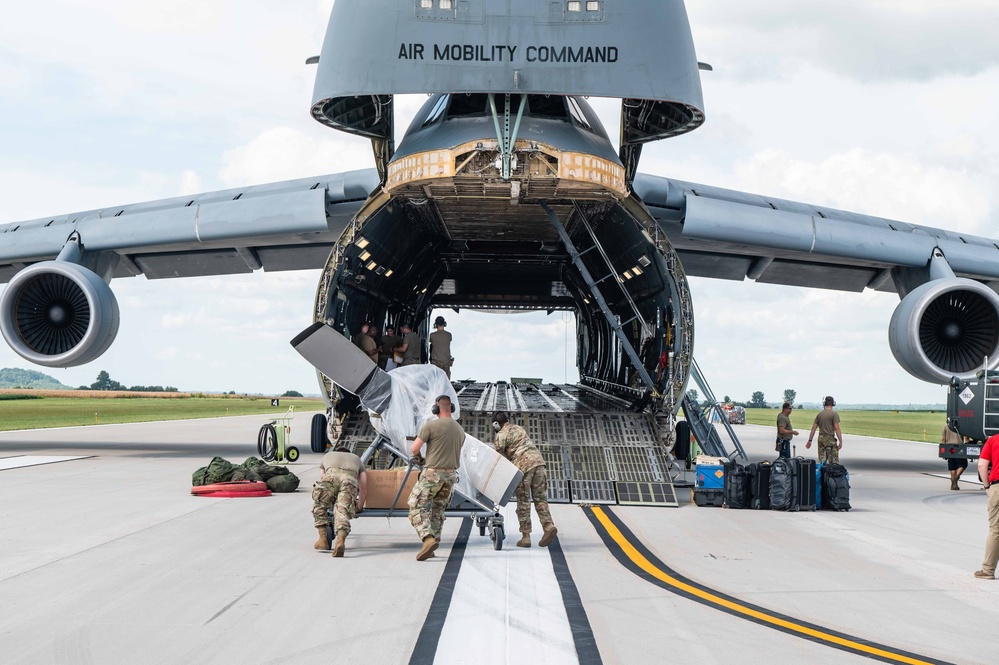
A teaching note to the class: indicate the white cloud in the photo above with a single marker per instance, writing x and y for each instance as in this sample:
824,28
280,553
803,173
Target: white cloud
903,189
283,153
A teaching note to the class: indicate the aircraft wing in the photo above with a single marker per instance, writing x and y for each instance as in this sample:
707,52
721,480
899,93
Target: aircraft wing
727,234
287,225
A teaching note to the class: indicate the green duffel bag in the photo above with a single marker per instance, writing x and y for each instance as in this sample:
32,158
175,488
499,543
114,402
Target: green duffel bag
287,482
242,473
219,470
266,471
253,463
198,478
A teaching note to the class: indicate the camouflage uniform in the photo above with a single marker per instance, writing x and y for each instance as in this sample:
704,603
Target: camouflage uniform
826,421
337,489
430,497
828,450
513,443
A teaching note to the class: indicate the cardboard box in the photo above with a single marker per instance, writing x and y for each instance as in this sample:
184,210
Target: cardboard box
383,485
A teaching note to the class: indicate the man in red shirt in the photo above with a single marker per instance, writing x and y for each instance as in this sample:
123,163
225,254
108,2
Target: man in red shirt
990,454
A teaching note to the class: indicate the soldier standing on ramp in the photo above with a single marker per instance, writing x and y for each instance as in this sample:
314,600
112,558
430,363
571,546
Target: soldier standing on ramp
513,443
342,486
440,346
432,492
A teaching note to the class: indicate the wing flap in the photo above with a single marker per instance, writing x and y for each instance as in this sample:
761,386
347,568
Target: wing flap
289,225
721,233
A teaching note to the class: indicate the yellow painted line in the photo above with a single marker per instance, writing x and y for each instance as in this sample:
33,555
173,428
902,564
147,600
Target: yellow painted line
650,568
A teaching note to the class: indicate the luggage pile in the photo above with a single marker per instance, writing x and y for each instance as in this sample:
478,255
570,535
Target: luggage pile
793,485
254,477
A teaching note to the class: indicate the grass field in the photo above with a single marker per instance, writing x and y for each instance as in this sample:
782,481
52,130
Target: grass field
17,414
905,425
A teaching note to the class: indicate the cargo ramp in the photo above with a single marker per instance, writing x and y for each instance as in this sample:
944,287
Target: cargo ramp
596,451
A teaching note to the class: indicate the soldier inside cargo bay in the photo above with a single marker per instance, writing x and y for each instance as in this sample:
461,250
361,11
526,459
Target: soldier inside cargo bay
513,443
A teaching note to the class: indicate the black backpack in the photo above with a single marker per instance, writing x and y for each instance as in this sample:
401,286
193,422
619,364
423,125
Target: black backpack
835,487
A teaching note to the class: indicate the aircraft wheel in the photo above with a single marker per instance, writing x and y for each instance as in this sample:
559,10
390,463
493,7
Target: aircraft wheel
267,442
498,537
292,454
319,433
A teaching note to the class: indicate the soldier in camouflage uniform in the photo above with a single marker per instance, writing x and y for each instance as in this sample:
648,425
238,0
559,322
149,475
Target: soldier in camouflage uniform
431,495
827,422
513,443
342,487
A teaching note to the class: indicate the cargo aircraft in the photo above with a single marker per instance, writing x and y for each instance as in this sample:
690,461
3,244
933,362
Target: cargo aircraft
506,193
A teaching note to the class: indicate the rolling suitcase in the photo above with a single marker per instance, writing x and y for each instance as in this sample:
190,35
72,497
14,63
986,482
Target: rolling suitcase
759,485
783,484
806,484
835,487
736,486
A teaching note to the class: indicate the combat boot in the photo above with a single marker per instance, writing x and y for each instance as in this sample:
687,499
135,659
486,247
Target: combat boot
525,540
323,543
549,536
339,546
429,545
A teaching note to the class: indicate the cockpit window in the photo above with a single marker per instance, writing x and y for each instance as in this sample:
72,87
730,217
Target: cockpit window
577,114
438,111
549,106
472,104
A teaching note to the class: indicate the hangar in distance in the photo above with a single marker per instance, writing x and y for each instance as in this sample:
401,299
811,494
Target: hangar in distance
507,194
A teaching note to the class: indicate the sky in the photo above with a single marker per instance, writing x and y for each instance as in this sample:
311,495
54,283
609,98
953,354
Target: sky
886,108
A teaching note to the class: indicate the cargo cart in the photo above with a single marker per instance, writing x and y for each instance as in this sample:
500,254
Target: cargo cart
487,517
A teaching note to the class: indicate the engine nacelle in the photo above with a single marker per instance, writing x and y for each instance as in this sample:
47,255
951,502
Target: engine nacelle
946,328
58,314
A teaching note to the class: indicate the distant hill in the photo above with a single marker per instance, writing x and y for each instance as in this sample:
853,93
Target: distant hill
11,377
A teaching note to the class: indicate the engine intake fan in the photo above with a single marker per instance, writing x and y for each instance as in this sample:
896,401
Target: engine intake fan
58,314
946,328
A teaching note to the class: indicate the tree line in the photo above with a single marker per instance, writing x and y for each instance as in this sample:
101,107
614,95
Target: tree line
105,382
757,401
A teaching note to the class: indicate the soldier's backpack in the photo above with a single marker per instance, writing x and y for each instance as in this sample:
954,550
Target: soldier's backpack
783,485
835,487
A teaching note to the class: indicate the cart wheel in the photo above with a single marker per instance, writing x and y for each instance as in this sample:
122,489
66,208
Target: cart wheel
498,537
291,454
330,535
319,433
267,442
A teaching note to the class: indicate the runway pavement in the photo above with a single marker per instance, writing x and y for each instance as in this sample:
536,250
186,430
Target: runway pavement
109,559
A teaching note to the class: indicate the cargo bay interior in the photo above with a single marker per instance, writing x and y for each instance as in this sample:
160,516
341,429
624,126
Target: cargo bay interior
532,241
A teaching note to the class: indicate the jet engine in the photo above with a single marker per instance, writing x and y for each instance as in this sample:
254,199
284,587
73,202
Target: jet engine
946,328
58,314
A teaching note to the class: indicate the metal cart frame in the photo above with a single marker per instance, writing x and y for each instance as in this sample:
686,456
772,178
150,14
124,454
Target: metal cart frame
487,518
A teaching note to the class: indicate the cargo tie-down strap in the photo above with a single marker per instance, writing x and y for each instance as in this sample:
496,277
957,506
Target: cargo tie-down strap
637,558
